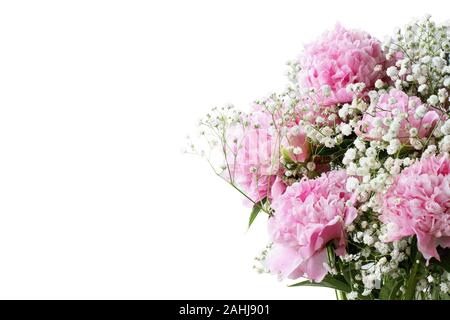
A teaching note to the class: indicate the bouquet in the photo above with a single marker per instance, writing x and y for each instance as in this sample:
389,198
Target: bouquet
350,164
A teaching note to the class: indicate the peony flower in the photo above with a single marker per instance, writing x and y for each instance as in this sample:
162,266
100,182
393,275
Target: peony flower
253,158
308,215
339,58
418,203
372,127
254,155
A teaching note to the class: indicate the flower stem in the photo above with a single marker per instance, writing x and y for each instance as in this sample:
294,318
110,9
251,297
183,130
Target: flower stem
332,261
336,291
410,289
411,284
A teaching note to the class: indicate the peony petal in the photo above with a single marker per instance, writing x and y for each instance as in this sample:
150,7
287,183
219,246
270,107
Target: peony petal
312,268
282,260
427,245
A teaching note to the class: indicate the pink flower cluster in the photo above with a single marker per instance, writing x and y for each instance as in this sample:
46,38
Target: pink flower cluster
372,127
252,158
308,215
418,203
341,57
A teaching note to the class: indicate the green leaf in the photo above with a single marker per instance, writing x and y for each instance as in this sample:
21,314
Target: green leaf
444,296
257,207
334,282
444,254
347,272
287,158
435,293
328,151
390,289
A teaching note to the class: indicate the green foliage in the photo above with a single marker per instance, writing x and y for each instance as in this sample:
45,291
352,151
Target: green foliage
336,282
390,288
444,254
257,208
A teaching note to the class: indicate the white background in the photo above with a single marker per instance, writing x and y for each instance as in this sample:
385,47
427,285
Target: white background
96,199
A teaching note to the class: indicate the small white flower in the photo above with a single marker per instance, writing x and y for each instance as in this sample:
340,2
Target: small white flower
360,145
416,143
297,150
350,154
430,150
433,100
395,170
346,129
311,166
394,146
416,69
351,169
392,72
447,82
371,152
320,120
343,112
352,184
379,84
378,68
407,161
420,112
329,143
442,95
438,62
422,80
422,88
327,131
425,59
332,117
445,128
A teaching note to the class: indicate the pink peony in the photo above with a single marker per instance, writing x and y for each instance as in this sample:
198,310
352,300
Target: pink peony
254,155
404,104
339,58
308,215
253,159
291,135
418,203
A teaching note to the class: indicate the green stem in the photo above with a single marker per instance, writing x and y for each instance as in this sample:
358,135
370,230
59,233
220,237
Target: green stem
411,284
332,261
336,292
410,289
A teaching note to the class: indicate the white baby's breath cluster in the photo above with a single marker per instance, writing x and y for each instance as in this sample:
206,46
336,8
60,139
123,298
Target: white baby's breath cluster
422,67
212,136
